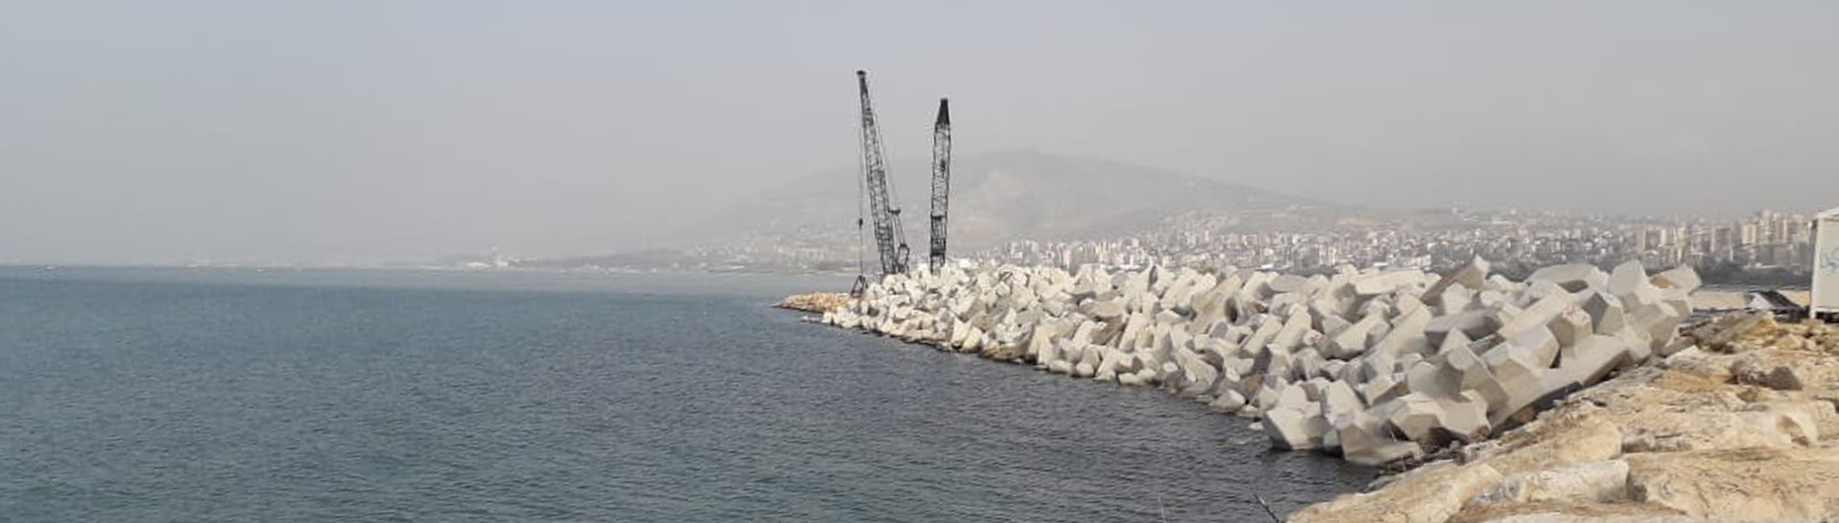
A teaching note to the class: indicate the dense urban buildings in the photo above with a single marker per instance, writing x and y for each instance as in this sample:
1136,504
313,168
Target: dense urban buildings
1767,241
1764,247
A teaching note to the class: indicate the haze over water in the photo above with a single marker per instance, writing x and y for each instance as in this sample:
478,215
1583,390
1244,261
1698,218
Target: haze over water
139,395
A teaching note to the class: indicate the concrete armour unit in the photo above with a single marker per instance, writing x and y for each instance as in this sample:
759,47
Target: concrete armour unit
1573,278
1376,364
1471,323
1292,429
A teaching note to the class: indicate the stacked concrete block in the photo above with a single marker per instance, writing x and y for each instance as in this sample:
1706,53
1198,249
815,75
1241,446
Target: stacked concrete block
1375,365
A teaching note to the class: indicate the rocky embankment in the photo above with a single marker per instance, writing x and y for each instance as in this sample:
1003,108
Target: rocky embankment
815,302
1738,426
1377,366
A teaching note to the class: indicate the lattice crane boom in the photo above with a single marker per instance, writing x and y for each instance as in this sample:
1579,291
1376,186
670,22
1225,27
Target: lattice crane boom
890,240
941,182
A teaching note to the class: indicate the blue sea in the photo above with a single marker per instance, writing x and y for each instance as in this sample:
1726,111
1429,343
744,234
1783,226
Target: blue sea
207,395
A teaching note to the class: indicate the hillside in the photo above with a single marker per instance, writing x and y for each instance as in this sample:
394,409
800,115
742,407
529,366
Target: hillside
999,197
809,222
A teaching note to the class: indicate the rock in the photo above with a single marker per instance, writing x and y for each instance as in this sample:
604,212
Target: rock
1782,378
1782,426
1431,494
1573,441
1229,401
1597,482
1740,484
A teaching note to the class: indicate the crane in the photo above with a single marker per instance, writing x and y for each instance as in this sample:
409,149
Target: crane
890,240
941,182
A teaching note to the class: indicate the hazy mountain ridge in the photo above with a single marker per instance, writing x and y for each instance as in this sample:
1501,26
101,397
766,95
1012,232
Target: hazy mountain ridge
999,197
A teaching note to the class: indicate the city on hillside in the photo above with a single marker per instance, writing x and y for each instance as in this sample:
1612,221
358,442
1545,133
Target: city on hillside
1766,247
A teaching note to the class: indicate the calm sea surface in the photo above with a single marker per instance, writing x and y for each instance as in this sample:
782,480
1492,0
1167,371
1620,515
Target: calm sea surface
152,395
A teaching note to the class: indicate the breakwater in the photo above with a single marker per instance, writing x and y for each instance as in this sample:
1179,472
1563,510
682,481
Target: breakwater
1377,366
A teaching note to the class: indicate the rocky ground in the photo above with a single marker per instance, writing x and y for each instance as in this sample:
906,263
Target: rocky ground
1739,426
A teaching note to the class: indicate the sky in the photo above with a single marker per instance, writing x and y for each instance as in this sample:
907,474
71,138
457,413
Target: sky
329,131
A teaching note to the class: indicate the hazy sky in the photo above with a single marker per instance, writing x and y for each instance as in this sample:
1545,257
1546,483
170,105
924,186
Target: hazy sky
272,130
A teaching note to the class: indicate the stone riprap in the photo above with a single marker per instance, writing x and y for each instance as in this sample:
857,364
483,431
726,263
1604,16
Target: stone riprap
1375,365
815,302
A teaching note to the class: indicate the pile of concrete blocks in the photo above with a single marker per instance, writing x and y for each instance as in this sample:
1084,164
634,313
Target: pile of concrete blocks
1375,365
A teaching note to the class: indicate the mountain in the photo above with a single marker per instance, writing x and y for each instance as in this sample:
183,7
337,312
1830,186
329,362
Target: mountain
809,223
998,197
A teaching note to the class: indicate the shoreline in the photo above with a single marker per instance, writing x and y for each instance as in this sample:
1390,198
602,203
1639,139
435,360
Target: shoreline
1397,368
